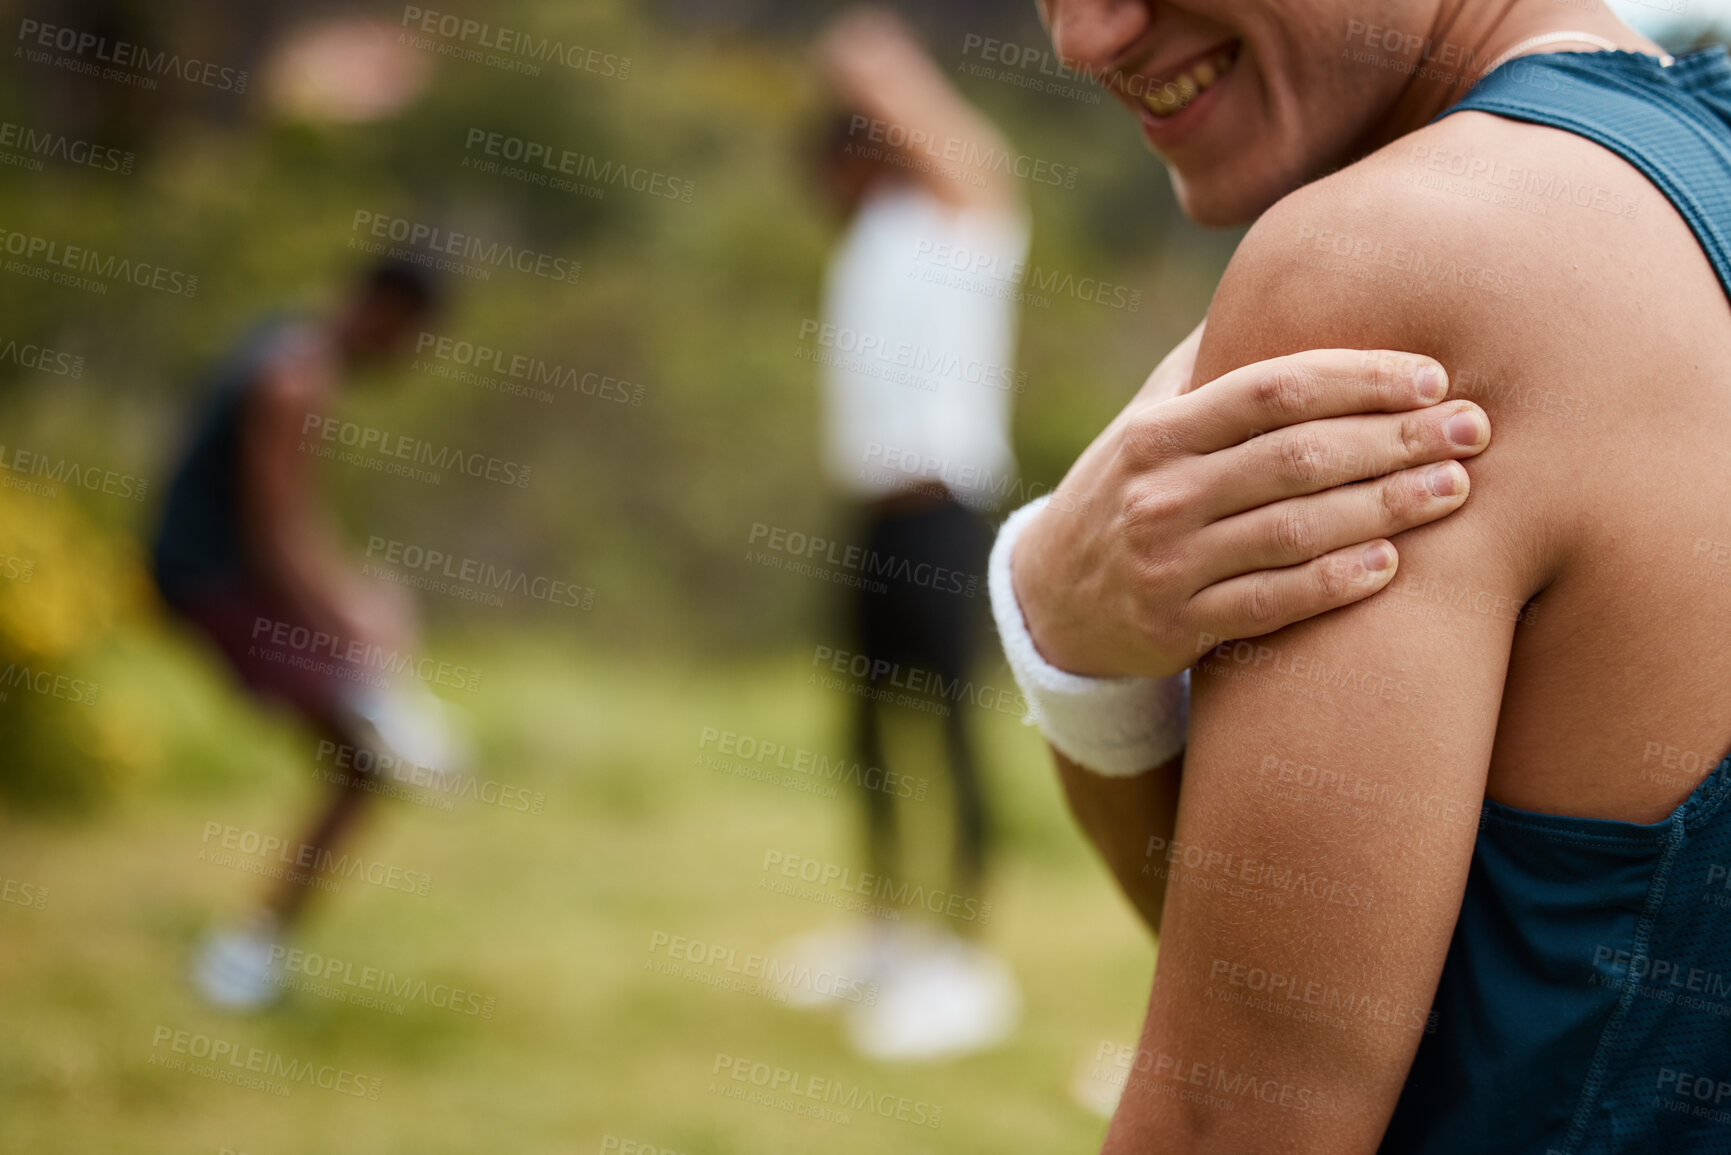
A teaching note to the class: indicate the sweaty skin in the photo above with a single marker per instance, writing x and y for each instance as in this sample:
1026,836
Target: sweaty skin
1535,648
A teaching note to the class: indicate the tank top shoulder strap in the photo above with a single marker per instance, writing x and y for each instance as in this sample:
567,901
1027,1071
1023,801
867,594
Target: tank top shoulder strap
1673,123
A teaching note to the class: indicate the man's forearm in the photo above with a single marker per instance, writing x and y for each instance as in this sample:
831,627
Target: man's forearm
1121,816
309,574
879,70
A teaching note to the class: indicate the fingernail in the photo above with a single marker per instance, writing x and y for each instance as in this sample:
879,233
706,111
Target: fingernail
1464,428
1378,557
1431,383
1444,480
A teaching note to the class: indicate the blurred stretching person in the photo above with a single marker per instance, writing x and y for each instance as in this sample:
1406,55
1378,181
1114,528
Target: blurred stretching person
918,381
247,556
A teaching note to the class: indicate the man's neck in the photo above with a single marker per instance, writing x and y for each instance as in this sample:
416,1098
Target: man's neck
1468,36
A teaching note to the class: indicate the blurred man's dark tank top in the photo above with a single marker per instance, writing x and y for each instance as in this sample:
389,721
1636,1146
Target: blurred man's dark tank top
199,542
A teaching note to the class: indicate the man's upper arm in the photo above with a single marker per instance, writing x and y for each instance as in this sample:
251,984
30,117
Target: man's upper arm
276,486
1123,816
1335,769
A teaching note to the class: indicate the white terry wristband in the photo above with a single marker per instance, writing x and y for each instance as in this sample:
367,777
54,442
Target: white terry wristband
1118,727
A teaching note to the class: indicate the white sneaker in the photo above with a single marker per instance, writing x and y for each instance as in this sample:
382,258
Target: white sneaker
235,969
939,996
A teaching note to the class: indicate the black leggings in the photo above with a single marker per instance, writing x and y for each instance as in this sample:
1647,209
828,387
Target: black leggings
922,635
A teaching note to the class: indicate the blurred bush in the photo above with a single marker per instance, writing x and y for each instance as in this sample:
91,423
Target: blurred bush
66,739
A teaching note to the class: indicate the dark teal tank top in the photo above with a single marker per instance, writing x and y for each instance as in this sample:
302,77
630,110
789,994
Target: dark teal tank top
198,541
1585,1007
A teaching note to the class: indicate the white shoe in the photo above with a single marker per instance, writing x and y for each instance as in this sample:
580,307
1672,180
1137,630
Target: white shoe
939,996
235,969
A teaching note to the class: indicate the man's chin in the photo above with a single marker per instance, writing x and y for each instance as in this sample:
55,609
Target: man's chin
1222,200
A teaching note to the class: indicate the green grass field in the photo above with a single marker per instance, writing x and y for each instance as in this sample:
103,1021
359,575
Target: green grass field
551,915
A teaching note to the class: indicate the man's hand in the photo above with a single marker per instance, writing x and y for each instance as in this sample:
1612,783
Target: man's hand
379,613
863,48
1225,511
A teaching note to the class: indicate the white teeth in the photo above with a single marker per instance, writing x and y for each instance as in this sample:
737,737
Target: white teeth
1176,94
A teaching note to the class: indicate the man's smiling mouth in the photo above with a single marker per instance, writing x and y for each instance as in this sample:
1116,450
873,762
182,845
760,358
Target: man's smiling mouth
1176,94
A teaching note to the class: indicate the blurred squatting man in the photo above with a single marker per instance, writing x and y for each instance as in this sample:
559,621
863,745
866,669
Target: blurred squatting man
245,554
918,381
1431,898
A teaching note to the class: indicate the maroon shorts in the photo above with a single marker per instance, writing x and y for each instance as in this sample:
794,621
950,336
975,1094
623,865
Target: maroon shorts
275,653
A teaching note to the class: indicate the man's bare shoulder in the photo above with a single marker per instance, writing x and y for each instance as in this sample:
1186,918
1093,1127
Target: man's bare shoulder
1509,252
1473,230
296,373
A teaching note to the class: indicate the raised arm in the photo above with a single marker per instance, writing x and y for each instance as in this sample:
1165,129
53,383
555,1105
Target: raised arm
880,70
